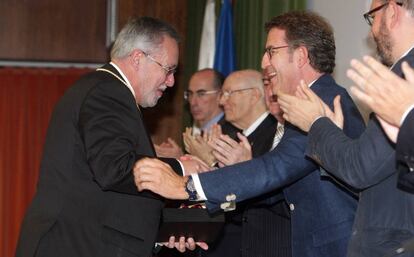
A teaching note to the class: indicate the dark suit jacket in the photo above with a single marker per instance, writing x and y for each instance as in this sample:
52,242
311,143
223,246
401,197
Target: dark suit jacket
385,214
405,154
322,212
86,202
257,228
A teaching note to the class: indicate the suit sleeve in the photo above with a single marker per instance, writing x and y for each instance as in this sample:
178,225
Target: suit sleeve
405,140
114,136
276,169
357,162
405,153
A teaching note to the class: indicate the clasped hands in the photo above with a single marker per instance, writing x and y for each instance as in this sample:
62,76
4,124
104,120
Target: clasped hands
158,177
215,148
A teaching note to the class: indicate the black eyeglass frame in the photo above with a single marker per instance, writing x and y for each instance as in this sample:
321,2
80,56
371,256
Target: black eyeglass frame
269,50
369,18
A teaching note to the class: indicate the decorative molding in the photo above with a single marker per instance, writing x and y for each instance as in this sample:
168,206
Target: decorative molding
111,21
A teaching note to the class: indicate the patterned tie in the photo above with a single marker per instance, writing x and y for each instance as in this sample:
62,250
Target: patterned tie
278,135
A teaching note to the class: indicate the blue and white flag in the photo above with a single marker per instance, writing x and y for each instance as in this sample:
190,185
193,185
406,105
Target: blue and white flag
224,59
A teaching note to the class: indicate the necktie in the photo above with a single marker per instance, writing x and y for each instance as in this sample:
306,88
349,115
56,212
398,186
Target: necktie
278,135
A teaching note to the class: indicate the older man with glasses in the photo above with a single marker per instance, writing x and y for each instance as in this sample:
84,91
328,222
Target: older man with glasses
203,96
86,202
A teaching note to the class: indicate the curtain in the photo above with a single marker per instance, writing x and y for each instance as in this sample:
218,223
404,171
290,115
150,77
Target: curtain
195,17
27,98
249,20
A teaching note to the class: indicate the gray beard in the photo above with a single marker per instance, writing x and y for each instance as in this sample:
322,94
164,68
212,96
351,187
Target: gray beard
384,46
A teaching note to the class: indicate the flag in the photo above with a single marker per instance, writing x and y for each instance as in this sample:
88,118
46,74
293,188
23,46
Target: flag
224,58
208,37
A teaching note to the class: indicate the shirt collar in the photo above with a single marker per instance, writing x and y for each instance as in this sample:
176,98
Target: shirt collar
128,84
213,121
313,82
255,124
207,126
402,56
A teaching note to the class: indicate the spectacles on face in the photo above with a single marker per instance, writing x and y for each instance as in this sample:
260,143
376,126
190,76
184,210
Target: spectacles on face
369,16
271,50
227,93
199,93
168,70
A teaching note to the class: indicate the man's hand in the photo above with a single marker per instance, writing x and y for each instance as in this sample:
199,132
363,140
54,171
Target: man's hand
182,244
198,146
169,149
306,107
390,130
228,152
192,164
158,177
388,95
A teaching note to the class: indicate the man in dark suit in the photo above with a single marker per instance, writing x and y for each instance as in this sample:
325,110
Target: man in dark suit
203,96
405,153
260,226
300,46
385,215
86,202
392,99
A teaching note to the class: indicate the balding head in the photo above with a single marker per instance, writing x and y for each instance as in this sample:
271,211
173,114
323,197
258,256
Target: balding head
203,95
243,98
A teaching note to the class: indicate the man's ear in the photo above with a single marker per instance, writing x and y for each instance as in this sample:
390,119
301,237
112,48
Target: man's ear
136,56
301,55
392,15
256,95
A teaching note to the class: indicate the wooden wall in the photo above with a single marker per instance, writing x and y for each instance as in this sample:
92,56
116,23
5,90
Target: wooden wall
164,120
75,30
67,31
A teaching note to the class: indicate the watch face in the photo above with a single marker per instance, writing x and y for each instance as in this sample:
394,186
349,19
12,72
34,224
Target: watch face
190,185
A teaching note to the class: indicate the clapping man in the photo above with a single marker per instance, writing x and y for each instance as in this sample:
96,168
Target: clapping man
384,219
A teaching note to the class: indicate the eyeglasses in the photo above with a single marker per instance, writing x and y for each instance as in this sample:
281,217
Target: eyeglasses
270,51
228,93
199,93
369,17
168,70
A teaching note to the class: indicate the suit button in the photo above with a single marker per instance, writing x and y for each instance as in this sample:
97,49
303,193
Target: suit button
245,219
291,207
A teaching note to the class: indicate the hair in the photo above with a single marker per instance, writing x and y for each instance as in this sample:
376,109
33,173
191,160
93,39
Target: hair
308,29
218,78
407,4
249,78
143,33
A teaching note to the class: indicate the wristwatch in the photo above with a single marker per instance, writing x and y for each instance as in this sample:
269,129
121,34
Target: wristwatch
191,190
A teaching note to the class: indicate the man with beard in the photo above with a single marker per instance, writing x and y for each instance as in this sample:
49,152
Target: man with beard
392,99
385,215
300,46
86,202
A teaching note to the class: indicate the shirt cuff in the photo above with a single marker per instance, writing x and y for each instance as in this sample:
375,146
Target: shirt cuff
198,187
406,114
182,167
